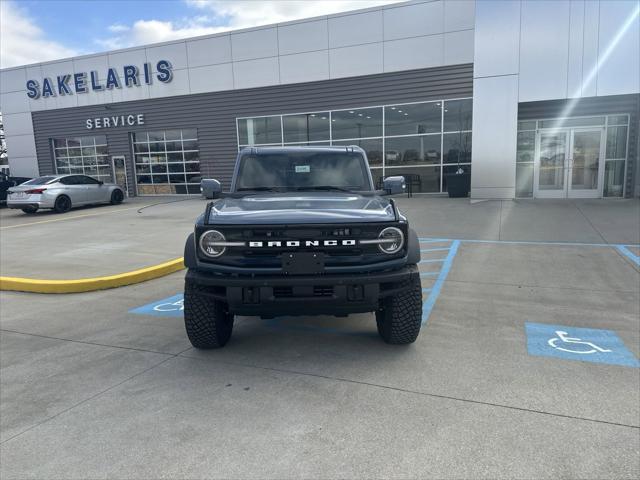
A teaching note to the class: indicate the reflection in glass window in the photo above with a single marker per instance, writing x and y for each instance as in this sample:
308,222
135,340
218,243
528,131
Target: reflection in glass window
422,179
412,150
413,119
356,123
614,178
524,180
83,155
616,142
253,131
307,127
456,147
526,146
457,115
372,146
166,162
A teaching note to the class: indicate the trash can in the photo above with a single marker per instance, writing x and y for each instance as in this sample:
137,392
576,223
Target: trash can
458,184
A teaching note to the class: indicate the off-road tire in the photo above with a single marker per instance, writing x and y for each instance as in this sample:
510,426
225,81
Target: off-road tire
116,197
30,210
399,317
63,204
207,320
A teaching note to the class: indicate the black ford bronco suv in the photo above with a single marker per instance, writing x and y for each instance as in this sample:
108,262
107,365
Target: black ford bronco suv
301,232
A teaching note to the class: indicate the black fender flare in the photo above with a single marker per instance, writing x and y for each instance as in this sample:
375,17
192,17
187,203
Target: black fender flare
413,248
190,259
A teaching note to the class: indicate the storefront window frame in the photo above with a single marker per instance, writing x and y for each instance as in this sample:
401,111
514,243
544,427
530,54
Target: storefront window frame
383,137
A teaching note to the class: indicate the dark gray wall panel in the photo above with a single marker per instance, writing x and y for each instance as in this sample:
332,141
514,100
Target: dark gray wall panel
214,114
615,104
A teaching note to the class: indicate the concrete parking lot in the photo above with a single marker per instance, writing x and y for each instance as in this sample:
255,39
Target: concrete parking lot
106,385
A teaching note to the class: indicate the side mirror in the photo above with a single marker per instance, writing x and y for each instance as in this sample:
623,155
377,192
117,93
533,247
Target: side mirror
394,185
210,188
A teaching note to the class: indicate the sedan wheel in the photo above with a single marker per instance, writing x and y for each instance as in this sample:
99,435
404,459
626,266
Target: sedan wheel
63,204
116,197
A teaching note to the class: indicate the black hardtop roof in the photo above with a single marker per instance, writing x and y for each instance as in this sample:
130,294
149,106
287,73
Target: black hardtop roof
300,148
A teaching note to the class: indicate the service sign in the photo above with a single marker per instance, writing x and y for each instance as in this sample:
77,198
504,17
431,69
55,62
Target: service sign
83,82
127,120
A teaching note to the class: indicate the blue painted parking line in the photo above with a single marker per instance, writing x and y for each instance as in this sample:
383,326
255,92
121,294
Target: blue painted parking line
573,343
429,303
167,307
628,253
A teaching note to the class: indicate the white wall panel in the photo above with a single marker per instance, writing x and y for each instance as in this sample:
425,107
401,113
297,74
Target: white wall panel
95,98
17,123
52,70
179,85
495,120
66,101
590,48
209,51
21,146
254,44
14,102
303,37
211,78
256,73
357,60
411,53
619,48
458,47
304,67
97,63
459,15
355,29
497,38
128,57
176,53
12,80
576,46
544,44
23,166
413,20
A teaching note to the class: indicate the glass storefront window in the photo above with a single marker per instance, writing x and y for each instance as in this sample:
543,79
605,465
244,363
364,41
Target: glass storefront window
571,122
456,147
527,125
412,150
422,179
524,180
526,147
83,155
616,143
614,178
457,115
356,123
372,146
306,127
260,130
413,119
618,120
167,162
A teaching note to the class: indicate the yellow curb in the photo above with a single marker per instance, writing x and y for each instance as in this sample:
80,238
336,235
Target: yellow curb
91,284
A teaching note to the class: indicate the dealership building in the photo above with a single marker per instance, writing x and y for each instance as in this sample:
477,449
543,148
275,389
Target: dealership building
532,98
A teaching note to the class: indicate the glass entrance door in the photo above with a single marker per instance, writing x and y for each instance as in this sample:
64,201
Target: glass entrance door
569,163
550,180
585,164
119,172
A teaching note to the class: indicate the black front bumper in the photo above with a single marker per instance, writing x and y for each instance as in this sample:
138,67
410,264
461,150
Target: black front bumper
274,295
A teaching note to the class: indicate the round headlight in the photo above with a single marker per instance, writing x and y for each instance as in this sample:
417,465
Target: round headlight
391,240
212,243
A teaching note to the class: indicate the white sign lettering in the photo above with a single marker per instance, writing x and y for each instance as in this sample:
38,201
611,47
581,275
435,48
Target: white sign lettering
115,121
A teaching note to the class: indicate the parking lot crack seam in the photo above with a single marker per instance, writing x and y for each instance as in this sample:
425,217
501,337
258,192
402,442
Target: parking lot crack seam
575,204
34,285
425,394
90,343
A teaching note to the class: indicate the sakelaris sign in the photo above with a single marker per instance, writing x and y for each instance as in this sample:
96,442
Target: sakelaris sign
68,84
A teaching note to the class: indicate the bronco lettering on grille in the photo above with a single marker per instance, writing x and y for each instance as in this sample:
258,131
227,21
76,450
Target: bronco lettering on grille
300,243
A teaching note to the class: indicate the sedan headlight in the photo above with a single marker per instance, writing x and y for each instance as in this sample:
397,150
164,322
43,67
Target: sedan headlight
391,240
212,243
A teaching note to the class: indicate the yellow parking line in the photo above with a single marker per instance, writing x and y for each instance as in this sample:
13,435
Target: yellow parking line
91,284
71,218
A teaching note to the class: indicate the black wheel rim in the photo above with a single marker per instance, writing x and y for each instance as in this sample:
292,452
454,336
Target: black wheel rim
63,203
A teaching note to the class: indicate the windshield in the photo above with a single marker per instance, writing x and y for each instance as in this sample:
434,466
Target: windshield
39,181
303,170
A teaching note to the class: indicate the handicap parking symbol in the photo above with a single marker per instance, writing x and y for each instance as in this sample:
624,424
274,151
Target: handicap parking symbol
167,307
585,344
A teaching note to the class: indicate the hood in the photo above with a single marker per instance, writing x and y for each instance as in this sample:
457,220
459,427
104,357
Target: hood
301,207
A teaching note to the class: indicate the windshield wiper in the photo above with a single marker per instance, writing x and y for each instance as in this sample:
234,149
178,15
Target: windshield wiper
323,187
